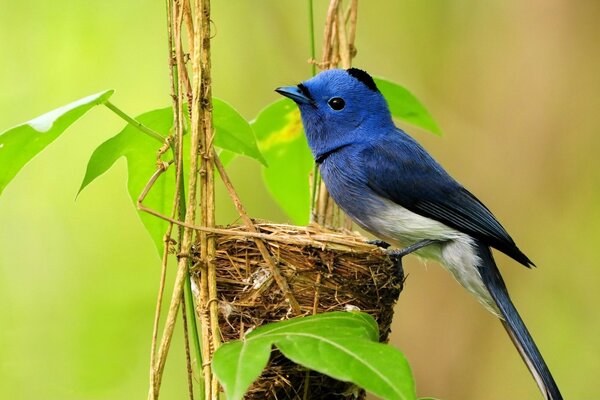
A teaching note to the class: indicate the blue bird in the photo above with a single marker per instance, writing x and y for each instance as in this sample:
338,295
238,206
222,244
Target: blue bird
390,186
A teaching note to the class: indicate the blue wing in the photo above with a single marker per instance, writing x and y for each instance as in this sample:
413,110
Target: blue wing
398,168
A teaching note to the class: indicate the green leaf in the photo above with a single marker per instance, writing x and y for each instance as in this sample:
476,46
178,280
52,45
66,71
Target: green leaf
281,140
340,324
405,106
20,144
140,151
233,132
238,364
379,368
342,345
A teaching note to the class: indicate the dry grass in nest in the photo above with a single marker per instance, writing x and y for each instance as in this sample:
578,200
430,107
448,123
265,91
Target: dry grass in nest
326,270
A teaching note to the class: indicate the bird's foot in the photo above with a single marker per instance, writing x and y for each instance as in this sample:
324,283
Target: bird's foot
379,243
396,254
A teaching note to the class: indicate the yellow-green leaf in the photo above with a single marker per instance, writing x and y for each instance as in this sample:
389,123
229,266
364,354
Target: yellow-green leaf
281,140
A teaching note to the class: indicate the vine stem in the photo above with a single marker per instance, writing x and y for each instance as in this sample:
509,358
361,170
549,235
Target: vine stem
202,120
311,35
338,48
180,91
179,205
187,237
313,64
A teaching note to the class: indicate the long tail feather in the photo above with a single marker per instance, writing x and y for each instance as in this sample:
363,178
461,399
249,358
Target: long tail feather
514,325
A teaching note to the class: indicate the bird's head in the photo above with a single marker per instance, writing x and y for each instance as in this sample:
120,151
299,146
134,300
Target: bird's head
339,107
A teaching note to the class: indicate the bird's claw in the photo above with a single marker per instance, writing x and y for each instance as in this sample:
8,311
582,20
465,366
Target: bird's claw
379,243
396,254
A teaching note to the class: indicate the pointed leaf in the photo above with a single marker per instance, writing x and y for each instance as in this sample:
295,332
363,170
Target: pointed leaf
342,345
238,364
281,139
376,367
20,144
233,132
405,106
140,151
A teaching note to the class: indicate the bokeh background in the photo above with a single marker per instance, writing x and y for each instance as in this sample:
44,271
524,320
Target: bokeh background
514,85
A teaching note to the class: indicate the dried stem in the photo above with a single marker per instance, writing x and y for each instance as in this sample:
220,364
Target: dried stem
353,12
177,72
329,32
316,240
190,214
343,48
208,290
184,93
338,47
279,278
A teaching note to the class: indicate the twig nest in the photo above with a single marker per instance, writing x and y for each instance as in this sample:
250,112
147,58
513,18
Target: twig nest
326,270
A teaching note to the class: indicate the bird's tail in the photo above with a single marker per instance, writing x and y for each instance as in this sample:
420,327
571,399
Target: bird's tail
514,325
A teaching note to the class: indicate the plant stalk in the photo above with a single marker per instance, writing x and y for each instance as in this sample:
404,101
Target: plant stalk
131,121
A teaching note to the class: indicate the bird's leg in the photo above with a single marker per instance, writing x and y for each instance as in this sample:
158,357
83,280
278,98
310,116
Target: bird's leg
396,254
379,243
413,247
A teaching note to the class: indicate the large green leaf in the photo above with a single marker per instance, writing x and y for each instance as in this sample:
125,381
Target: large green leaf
405,106
140,151
339,344
20,144
281,140
233,132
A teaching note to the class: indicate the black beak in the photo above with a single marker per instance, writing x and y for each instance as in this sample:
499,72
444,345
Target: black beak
294,93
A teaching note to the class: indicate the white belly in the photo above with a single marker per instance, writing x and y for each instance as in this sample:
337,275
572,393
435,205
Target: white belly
401,227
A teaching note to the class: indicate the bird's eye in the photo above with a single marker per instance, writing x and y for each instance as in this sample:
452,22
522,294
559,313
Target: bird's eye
336,103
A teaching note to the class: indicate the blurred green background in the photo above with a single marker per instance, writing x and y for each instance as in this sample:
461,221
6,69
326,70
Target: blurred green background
514,85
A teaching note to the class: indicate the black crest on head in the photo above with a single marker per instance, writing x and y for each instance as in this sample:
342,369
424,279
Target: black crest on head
363,77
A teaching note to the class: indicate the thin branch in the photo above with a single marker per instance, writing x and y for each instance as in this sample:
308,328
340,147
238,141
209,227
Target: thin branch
188,361
183,93
353,11
327,35
338,47
201,124
311,37
279,278
315,240
344,50
186,240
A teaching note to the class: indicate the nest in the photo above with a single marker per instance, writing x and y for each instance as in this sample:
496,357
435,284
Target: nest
326,270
